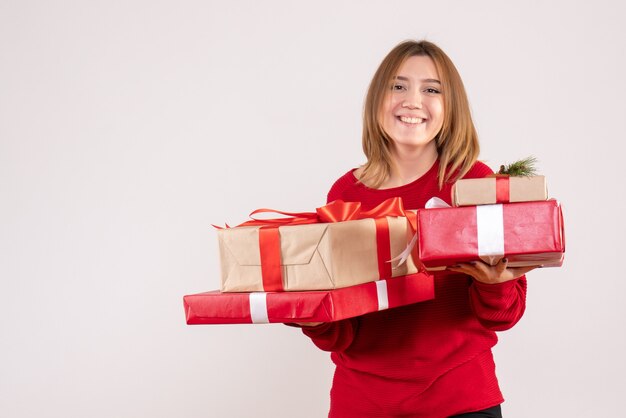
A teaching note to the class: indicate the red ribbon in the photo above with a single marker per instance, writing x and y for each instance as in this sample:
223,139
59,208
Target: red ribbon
502,189
337,211
271,270
383,248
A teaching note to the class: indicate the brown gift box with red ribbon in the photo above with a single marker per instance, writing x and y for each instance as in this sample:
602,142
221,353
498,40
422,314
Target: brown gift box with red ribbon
499,189
316,251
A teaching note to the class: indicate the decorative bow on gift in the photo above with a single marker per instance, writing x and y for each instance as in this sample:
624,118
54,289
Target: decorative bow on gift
336,211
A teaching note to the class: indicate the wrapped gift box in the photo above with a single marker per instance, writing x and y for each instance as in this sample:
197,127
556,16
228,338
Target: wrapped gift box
314,256
499,189
527,233
312,306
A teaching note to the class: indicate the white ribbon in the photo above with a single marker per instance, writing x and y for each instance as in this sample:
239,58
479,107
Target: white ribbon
436,203
490,225
404,255
258,308
381,294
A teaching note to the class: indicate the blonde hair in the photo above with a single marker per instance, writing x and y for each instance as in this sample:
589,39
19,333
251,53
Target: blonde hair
457,141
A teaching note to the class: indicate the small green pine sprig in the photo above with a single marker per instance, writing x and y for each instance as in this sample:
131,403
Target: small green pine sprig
521,168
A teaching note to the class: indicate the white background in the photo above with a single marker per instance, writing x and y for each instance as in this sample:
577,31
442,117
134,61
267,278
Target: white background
128,127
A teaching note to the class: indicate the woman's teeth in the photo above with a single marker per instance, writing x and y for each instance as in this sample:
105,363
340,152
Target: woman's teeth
406,119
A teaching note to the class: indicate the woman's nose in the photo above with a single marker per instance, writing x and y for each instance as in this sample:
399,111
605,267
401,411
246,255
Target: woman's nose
413,101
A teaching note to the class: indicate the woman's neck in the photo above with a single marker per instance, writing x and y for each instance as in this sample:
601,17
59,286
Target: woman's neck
409,164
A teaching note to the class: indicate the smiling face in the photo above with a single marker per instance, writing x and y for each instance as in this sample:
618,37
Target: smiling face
412,111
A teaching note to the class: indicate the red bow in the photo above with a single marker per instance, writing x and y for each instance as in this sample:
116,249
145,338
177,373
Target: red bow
336,211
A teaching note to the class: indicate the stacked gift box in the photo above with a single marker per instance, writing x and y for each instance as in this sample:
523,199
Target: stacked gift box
493,217
324,266
336,263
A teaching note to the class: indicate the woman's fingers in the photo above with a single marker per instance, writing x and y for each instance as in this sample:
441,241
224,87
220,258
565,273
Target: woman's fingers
309,324
461,268
486,273
502,265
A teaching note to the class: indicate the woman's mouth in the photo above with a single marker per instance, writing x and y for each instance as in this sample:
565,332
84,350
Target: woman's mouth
410,120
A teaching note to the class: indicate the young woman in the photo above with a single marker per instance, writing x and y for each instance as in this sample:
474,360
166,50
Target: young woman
431,359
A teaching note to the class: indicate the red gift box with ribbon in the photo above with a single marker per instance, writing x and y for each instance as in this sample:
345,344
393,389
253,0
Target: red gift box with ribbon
526,233
337,246
312,306
499,189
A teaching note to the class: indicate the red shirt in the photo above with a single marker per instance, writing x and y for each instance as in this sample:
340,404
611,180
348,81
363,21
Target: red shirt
431,359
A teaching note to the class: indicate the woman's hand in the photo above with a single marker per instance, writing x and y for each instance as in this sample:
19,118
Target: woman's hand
309,324
485,273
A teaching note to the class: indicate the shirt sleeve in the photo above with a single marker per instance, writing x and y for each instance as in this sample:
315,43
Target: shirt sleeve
498,306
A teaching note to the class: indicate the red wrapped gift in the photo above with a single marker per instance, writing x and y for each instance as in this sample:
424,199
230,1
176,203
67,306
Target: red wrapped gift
309,306
527,233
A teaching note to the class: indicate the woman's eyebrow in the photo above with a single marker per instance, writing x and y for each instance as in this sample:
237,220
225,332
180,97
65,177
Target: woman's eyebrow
425,80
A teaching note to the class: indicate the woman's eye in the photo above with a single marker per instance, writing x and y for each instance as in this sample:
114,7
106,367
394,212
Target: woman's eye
398,87
432,90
